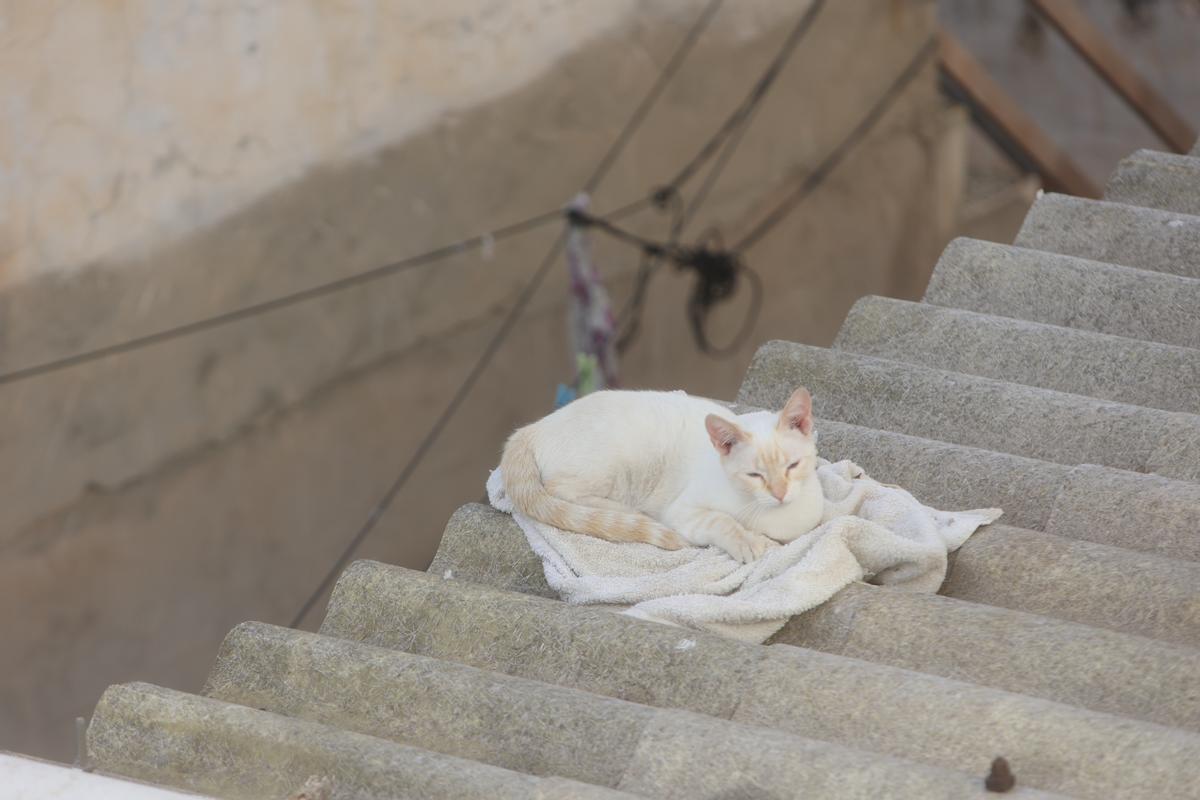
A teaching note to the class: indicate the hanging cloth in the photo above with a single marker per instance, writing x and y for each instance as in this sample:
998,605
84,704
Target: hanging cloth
592,327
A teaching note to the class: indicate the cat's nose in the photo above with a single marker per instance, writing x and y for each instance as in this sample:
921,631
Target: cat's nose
779,492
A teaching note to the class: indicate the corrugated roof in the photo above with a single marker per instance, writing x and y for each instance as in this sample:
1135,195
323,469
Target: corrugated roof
1058,378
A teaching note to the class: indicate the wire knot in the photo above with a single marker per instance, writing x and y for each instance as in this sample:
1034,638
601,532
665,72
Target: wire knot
716,273
578,217
664,196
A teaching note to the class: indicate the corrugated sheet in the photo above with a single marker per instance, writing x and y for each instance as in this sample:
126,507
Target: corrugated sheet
1058,378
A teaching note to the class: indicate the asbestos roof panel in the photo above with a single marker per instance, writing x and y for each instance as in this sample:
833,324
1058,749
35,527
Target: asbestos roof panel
1057,379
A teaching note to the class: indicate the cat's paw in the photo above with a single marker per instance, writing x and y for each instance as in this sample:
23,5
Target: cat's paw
667,539
744,546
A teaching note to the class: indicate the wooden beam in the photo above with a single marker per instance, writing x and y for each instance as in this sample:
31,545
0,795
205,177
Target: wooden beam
1089,41
1059,172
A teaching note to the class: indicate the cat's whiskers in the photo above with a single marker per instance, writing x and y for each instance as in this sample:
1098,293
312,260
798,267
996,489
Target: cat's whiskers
745,512
752,511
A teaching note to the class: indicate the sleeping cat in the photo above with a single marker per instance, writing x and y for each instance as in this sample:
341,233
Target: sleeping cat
670,470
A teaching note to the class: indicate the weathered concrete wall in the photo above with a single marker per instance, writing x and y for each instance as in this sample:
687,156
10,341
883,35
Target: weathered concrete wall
129,123
155,499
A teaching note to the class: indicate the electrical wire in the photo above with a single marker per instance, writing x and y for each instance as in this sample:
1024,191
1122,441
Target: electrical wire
835,157
512,317
717,268
285,301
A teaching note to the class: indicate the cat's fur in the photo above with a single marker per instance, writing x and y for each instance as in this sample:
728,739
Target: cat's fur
669,469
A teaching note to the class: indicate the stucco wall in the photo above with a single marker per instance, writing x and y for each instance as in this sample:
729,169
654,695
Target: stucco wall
156,498
128,123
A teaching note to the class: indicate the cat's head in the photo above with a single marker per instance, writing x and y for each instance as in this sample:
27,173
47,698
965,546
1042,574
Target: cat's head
768,455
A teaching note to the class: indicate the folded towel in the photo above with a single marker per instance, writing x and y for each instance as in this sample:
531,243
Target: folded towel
869,531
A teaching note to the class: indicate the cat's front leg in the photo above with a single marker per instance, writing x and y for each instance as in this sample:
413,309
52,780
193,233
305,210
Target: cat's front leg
705,527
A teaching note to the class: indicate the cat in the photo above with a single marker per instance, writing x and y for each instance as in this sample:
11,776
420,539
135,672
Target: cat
670,470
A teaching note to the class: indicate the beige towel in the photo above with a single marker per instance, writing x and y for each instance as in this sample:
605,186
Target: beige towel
869,532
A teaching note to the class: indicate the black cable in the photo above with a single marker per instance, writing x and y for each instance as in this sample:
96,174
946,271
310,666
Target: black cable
439,425
759,90
575,216
460,395
340,284
511,318
831,161
718,269
698,316
726,140
629,318
714,174
701,299
274,304
649,101
754,102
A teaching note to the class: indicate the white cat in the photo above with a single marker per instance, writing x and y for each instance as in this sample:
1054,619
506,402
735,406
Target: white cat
669,469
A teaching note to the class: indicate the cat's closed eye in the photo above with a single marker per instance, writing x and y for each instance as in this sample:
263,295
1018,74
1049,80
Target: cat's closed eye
754,475
793,465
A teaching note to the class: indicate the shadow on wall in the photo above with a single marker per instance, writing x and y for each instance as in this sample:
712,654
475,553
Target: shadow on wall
162,496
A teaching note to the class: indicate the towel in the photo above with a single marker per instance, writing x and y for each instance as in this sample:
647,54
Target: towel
869,531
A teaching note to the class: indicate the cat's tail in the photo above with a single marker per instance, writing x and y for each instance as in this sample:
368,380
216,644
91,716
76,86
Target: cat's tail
524,487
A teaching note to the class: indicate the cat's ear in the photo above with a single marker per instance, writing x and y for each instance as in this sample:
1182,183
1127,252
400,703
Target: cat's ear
797,413
723,433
